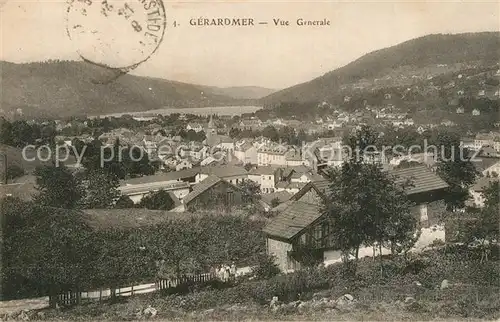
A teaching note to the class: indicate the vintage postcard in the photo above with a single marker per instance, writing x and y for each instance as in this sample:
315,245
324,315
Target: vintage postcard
249,160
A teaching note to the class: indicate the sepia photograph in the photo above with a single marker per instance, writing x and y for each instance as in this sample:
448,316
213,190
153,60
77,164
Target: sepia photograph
251,160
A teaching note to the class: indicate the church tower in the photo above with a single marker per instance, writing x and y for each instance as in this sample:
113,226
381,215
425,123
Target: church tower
211,129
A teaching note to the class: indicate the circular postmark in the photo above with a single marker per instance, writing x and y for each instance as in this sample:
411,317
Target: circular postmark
118,34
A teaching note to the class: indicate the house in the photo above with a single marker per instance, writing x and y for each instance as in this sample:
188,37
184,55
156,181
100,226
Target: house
137,191
481,93
420,129
448,123
250,125
460,110
409,122
149,144
490,166
272,156
246,152
197,127
294,158
476,112
183,164
476,191
468,143
303,224
267,200
230,173
213,193
266,177
483,139
291,187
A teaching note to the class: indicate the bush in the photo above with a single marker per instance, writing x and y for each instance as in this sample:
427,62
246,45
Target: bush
266,267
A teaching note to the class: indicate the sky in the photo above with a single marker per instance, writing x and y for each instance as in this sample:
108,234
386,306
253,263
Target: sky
263,55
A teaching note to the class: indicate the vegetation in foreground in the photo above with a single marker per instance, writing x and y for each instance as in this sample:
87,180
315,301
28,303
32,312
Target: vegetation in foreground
407,290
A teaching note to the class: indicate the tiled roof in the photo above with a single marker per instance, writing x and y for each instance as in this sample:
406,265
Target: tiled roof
323,186
290,185
282,196
293,220
483,183
172,175
223,171
265,170
422,178
150,186
201,187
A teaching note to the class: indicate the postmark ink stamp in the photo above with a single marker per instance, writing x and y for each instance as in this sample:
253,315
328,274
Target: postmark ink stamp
118,35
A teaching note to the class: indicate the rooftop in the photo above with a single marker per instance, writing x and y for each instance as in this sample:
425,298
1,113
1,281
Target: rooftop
282,196
223,171
422,178
130,189
202,187
168,176
297,216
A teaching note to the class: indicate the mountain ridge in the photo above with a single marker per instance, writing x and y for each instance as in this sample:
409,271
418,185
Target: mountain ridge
417,53
55,89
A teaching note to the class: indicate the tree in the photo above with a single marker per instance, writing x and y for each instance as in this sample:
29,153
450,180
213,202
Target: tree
101,189
234,133
58,187
366,207
124,202
271,133
250,190
266,267
485,229
158,200
45,250
455,167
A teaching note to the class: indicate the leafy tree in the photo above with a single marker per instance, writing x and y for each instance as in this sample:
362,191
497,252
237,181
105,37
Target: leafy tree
366,207
158,200
58,187
250,190
101,189
454,167
266,267
234,133
45,250
271,133
124,202
485,229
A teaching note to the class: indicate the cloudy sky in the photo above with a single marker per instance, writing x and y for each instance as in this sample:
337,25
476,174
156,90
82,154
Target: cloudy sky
263,55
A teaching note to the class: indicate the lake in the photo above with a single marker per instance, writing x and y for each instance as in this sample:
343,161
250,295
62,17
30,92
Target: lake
220,110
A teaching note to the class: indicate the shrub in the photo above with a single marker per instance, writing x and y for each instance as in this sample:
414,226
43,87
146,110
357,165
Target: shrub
266,267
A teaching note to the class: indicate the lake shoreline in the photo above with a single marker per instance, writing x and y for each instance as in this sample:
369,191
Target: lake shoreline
203,111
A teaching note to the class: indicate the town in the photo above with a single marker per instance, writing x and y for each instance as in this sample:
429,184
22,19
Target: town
368,191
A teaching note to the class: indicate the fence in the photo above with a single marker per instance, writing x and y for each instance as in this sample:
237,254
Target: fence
70,298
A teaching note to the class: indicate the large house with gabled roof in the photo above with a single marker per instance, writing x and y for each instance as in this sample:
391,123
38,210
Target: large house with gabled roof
302,222
213,192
